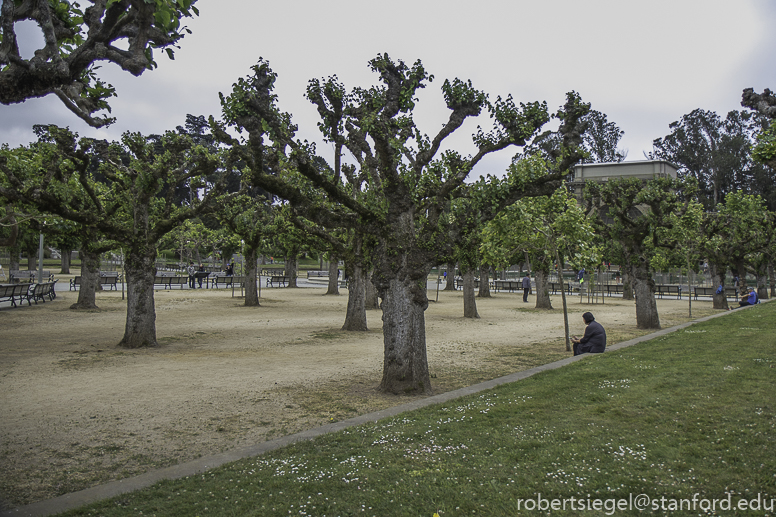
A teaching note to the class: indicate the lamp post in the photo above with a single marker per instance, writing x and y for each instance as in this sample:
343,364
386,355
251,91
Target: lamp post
40,259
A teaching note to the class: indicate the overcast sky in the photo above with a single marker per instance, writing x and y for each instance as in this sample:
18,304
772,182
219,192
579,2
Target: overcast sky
643,64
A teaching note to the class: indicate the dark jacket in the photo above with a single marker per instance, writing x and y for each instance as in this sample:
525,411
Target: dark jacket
594,340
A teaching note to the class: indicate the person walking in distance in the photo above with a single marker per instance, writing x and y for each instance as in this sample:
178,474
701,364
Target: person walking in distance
526,287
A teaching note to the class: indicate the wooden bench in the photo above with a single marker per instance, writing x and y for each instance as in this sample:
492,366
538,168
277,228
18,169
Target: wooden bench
228,281
730,292
41,291
555,287
15,292
29,276
613,289
110,278
316,274
167,281
508,285
170,281
278,281
669,290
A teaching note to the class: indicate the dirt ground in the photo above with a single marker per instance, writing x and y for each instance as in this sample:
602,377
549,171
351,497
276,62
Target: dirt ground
77,411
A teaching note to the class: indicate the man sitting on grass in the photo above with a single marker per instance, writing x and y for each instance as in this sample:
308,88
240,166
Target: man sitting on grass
748,299
594,340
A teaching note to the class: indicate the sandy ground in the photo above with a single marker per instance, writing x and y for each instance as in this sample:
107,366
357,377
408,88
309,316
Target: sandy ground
77,411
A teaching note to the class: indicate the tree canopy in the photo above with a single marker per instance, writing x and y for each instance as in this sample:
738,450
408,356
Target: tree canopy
124,32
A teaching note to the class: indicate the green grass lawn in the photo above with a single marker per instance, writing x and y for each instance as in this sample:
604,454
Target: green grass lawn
692,412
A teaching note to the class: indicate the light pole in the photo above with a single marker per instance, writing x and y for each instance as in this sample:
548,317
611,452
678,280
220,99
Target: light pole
40,259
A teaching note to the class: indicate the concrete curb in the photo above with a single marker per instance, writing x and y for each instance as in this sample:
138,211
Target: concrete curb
98,493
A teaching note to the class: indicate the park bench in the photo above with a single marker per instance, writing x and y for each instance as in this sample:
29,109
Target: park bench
29,276
316,274
669,290
555,287
613,289
508,285
168,281
110,279
278,281
703,291
41,291
730,292
227,281
15,292
459,283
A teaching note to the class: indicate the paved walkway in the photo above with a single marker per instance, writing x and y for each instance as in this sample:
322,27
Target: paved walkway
90,495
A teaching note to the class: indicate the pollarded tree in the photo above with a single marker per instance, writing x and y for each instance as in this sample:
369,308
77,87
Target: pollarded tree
248,215
123,32
135,206
43,167
406,194
639,215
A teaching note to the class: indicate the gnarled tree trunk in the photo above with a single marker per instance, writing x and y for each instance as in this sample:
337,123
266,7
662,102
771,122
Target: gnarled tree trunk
450,278
292,269
469,300
333,277
627,283
14,250
355,318
65,260
542,289
372,297
140,329
719,301
251,286
405,365
762,286
646,307
484,291
90,279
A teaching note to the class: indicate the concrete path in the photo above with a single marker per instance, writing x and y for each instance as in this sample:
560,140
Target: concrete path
90,495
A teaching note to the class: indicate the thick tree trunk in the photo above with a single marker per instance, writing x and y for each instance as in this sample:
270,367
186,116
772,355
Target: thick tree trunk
65,261
32,263
405,365
90,280
719,301
469,300
251,285
372,297
627,283
355,318
542,289
762,286
450,278
484,291
292,269
140,330
13,263
772,279
333,277
646,307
